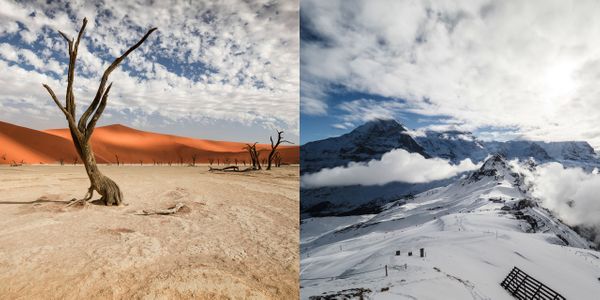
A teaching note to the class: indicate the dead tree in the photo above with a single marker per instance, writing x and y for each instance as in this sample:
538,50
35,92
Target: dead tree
141,162
226,161
180,159
254,156
117,158
236,161
211,161
62,161
274,146
82,130
194,156
277,159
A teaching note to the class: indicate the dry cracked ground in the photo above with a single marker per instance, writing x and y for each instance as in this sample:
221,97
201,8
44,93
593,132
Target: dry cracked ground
236,237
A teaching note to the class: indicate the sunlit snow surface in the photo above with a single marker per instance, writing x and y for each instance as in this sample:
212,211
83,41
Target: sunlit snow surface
470,244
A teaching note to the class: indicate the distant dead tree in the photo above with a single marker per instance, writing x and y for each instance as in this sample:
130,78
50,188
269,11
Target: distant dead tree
277,159
274,146
254,156
154,161
180,159
82,130
61,161
227,161
211,161
236,161
218,162
117,158
194,156
169,163
244,161
141,162
75,159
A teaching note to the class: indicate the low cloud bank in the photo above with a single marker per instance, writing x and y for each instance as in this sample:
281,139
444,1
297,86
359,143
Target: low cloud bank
396,165
572,193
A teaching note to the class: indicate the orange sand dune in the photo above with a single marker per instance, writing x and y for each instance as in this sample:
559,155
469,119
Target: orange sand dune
21,144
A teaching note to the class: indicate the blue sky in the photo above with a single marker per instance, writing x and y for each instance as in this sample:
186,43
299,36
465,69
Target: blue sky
214,69
500,69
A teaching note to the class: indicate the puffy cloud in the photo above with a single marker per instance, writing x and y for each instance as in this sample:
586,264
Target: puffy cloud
224,61
524,65
572,193
396,165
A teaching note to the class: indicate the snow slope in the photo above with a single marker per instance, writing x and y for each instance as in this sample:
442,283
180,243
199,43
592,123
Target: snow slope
473,231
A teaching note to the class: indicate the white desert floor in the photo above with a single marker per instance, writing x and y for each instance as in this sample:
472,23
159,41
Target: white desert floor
237,237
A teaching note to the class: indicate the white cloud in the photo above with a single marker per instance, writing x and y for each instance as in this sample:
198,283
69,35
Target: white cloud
251,48
8,52
359,111
569,192
526,65
312,106
396,165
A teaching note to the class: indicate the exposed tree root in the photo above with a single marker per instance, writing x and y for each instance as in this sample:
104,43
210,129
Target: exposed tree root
84,200
168,211
110,191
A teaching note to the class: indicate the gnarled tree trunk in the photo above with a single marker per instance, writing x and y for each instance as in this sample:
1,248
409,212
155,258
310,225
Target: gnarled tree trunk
81,131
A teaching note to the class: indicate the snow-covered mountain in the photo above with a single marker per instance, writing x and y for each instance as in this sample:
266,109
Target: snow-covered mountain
453,145
570,151
473,231
377,137
364,143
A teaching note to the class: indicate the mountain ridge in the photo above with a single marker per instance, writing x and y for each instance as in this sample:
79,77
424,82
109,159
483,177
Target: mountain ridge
452,145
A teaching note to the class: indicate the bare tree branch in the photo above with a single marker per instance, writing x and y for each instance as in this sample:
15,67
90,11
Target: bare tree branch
107,72
90,127
70,118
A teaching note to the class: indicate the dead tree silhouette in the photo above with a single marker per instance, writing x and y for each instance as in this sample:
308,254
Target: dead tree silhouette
82,130
254,156
274,146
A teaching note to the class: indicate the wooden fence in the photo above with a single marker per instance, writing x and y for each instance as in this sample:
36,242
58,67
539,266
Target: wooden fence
523,286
